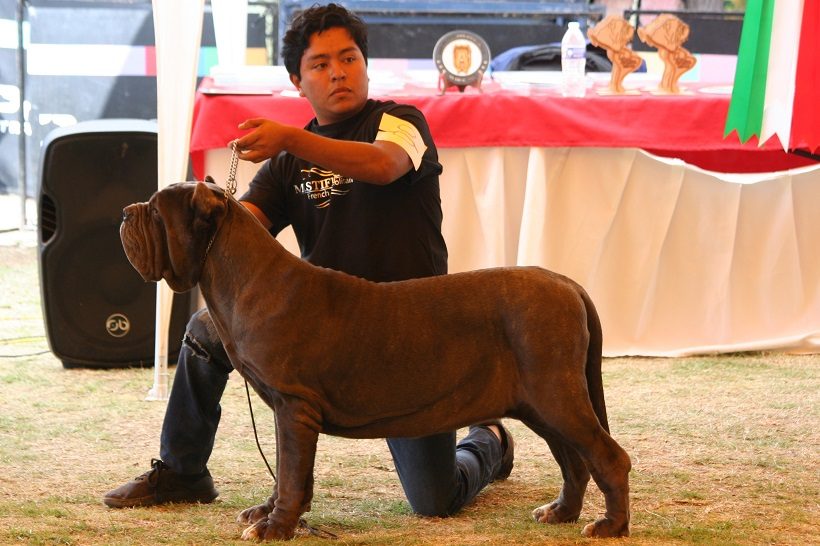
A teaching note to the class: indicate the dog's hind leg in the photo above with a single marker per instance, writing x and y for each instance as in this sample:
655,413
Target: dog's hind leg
567,507
606,461
609,465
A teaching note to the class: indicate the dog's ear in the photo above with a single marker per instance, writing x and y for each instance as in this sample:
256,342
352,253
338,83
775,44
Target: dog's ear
210,179
206,205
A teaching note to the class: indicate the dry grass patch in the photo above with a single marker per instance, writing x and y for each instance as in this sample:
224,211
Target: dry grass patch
725,451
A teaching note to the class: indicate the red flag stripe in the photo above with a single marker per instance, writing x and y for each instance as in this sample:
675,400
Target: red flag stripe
805,133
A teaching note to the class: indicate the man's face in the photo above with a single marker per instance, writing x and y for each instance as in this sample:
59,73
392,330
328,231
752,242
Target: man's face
333,75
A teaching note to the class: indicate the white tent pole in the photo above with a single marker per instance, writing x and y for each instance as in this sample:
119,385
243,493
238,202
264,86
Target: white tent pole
178,33
22,46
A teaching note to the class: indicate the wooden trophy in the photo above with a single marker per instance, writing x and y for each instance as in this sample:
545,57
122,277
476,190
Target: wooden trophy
667,33
614,34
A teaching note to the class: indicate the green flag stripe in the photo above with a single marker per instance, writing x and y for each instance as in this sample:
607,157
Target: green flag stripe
748,94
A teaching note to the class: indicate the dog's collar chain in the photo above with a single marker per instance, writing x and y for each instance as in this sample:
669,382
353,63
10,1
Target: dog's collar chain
210,244
213,237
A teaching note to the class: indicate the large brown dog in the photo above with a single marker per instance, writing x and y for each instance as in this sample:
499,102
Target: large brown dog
336,354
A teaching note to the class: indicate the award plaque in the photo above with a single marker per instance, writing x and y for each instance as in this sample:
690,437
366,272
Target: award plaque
462,58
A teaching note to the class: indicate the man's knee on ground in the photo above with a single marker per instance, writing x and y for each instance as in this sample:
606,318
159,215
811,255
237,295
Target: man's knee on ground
201,337
432,507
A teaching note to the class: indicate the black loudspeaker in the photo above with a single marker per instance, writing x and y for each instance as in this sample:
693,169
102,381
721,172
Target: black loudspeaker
98,311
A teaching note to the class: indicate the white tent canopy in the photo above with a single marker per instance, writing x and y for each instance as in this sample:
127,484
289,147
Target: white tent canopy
178,32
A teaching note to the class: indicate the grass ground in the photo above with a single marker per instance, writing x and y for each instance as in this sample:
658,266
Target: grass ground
725,450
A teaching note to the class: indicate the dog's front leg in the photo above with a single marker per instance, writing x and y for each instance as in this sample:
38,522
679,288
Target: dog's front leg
297,435
251,515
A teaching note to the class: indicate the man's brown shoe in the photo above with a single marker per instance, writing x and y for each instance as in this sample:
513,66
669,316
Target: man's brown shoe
161,485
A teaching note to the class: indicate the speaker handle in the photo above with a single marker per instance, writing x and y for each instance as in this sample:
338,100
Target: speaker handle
47,218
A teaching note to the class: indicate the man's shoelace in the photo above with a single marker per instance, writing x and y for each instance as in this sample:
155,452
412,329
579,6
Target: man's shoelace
157,466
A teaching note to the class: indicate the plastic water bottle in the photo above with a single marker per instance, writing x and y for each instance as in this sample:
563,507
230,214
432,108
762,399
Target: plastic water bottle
573,62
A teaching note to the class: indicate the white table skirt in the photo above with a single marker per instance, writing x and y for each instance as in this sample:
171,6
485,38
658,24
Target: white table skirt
677,260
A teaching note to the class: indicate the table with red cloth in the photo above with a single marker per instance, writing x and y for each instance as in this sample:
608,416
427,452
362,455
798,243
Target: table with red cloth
687,126
687,242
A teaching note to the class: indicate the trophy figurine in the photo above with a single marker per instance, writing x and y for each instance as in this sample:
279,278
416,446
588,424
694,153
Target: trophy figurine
614,34
667,33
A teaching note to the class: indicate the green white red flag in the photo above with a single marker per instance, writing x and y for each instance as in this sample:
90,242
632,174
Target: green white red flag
777,80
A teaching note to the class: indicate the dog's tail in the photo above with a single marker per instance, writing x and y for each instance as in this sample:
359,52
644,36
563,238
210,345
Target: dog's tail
595,384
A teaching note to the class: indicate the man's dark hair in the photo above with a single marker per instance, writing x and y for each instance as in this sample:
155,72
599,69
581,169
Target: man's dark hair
317,19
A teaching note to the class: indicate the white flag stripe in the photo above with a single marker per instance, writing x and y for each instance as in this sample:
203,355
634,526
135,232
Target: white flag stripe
781,72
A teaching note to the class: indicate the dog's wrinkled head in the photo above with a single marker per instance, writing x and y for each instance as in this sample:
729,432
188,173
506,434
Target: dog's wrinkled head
168,237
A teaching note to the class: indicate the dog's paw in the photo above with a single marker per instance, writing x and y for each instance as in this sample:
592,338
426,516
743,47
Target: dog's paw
606,528
251,515
267,530
555,512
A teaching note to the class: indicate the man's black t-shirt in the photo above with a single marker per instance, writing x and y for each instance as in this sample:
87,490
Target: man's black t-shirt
380,233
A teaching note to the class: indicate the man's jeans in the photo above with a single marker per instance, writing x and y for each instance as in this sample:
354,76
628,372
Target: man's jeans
438,476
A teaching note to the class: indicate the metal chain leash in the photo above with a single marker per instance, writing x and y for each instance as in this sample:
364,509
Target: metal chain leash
230,184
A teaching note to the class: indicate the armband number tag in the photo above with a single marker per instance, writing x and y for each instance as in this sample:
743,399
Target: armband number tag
405,134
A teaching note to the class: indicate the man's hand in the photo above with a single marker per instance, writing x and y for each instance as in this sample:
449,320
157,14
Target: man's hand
379,162
265,141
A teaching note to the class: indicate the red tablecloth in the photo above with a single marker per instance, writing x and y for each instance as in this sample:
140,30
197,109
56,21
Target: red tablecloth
687,126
